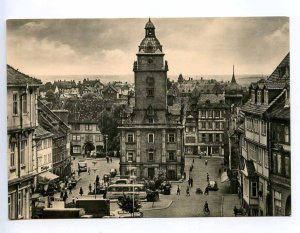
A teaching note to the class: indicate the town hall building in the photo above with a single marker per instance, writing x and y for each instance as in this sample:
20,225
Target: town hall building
152,135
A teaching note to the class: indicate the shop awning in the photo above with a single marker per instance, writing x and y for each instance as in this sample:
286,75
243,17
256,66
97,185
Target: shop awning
47,176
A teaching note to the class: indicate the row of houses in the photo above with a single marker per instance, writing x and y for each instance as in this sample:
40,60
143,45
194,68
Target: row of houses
264,140
38,144
117,91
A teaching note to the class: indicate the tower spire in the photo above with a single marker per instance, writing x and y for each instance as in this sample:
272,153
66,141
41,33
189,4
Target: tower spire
233,77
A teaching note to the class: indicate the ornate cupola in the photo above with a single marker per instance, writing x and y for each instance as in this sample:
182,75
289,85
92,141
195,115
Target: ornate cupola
150,44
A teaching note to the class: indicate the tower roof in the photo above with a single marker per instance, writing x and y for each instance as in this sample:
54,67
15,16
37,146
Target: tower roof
150,44
233,77
149,24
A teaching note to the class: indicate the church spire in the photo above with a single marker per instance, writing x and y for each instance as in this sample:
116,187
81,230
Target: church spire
233,81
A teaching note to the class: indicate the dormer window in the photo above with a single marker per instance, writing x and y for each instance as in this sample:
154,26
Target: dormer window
253,96
266,97
258,97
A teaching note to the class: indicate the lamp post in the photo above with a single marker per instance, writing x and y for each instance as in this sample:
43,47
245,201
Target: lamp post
106,138
130,162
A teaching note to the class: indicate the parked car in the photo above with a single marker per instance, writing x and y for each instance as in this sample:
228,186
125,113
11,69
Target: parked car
165,187
212,185
123,181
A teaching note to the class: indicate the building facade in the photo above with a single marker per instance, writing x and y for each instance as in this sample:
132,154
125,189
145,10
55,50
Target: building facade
84,118
280,174
61,158
22,92
152,136
256,143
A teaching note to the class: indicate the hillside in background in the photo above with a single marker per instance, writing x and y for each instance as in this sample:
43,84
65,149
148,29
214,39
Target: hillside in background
243,80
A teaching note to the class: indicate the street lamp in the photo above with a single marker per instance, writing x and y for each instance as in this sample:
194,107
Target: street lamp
94,162
130,162
106,138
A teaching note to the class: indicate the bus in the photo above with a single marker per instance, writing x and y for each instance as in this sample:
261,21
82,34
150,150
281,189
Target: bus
115,191
82,166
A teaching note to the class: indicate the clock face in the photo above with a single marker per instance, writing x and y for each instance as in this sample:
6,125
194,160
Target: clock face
150,80
150,60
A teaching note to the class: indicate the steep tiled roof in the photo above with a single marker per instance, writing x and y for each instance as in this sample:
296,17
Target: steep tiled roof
259,109
16,78
65,84
110,87
282,70
51,122
41,132
281,113
84,110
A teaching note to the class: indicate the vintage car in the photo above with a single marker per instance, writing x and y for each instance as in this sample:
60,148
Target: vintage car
212,185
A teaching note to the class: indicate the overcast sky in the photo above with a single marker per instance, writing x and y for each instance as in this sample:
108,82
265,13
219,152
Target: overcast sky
193,46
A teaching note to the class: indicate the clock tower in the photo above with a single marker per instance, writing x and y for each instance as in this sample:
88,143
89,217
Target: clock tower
150,71
151,135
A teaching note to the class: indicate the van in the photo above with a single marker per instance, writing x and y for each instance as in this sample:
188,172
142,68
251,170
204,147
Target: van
82,166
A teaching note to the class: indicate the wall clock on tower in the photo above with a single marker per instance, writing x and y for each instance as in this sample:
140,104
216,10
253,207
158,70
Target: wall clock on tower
150,80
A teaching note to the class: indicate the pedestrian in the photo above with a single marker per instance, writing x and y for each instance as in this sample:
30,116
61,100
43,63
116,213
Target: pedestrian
184,175
235,211
188,191
193,160
191,169
111,159
73,200
107,159
65,196
205,162
90,188
192,182
104,193
207,177
189,182
206,191
81,191
70,188
178,190
219,171
61,194
89,171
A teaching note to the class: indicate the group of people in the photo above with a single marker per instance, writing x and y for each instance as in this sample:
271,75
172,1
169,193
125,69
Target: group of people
108,159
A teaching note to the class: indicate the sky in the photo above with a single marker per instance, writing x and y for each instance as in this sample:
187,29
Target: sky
192,46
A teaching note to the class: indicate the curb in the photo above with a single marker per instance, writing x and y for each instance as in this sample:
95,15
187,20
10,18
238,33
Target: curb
159,208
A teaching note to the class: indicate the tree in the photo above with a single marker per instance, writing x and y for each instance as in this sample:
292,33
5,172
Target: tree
89,95
51,97
109,122
89,146
126,204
